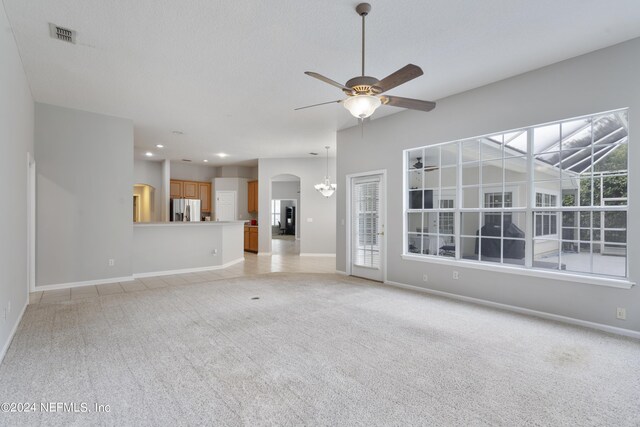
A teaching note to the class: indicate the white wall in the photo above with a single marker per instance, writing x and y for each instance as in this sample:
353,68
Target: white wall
84,196
150,173
16,140
190,172
237,172
286,190
596,82
318,236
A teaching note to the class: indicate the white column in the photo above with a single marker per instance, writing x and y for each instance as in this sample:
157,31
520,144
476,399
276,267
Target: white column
166,189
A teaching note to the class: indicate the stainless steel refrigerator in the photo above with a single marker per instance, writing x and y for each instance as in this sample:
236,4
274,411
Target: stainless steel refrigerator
185,210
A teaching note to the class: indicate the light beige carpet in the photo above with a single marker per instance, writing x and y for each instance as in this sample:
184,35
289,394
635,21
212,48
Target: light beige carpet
313,350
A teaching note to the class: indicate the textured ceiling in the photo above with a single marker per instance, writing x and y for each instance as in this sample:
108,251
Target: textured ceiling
229,73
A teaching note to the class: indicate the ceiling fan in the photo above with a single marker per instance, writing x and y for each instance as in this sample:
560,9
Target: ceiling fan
365,93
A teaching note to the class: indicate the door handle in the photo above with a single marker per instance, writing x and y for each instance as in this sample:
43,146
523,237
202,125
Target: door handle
381,233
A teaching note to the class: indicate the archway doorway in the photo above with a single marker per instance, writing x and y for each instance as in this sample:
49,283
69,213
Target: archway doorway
144,203
283,214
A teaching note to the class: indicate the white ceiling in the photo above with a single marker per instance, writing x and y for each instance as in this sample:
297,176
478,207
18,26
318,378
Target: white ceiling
229,73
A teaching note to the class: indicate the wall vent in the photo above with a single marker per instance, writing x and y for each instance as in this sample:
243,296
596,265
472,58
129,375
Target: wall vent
186,160
61,33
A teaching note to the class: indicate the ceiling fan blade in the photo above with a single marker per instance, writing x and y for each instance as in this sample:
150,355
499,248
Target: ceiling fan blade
412,104
403,75
328,80
315,105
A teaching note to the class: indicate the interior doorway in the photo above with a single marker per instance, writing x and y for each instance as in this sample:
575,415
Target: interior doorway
283,215
31,223
144,203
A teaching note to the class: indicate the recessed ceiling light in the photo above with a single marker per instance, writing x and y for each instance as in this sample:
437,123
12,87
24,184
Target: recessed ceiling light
177,132
159,146
223,155
205,160
148,154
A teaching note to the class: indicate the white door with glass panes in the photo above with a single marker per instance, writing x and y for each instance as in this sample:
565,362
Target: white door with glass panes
367,227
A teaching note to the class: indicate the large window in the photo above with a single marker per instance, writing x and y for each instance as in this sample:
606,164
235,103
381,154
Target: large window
275,213
549,197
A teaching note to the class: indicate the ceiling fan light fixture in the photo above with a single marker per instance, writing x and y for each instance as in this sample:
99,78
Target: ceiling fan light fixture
362,106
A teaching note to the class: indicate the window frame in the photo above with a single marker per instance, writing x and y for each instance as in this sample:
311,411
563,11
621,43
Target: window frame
529,209
549,214
275,212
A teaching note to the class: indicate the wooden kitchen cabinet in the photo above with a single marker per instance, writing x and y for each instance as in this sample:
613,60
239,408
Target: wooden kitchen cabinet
251,239
175,189
190,190
204,194
253,196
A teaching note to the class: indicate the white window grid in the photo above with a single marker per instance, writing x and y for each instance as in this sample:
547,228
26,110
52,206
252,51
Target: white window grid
546,223
528,209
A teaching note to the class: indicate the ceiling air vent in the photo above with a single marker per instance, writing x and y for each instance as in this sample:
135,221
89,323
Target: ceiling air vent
186,160
61,33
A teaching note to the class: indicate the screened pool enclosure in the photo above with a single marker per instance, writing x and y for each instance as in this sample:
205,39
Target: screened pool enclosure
549,197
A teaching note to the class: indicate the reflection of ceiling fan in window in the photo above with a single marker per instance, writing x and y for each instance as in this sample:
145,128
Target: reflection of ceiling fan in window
419,165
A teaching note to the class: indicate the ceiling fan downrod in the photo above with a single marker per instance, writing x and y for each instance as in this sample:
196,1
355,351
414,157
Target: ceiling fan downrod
363,10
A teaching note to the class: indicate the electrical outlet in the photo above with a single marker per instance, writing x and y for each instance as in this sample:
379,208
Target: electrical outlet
112,262
425,277
309,219
455,275
621,313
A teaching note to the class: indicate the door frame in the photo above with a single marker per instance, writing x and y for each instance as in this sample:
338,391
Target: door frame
31,223
383,212
235,203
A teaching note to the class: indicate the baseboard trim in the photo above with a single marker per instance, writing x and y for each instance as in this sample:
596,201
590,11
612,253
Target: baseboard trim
6,346
322,255
135,276
340,272
264,254
187,270
83,283
521,310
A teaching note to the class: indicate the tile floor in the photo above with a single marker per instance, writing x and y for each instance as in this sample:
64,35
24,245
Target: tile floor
284,259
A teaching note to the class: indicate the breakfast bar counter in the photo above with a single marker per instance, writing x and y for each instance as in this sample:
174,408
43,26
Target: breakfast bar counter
179,247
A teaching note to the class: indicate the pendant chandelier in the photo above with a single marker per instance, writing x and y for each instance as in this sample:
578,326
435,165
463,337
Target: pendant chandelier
326,188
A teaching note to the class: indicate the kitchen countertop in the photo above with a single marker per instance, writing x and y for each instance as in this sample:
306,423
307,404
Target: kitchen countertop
187,224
